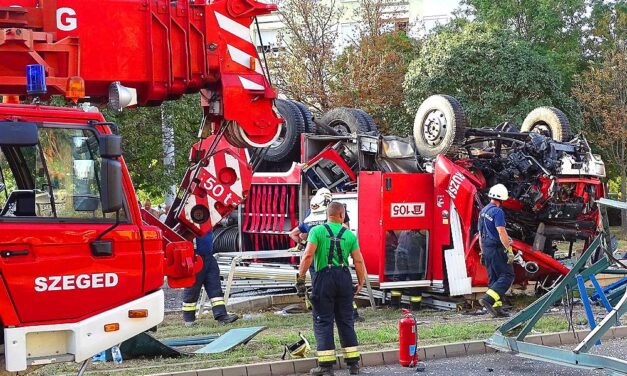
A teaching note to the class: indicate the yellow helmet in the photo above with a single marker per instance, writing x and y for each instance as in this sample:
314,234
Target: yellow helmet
298,349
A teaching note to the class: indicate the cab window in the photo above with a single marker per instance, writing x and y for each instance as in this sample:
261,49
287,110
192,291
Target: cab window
58,178
406,253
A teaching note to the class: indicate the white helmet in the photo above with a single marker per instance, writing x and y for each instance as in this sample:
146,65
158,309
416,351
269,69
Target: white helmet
325,193
320,201
498,192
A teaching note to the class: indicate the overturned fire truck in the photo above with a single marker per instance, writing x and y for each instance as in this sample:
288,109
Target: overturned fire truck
416,200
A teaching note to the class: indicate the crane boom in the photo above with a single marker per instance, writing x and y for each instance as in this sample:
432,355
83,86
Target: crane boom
161,48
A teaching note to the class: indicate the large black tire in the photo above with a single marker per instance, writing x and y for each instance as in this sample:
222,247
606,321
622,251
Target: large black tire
310,126
548,121
288,142
366,118
439,126
345,121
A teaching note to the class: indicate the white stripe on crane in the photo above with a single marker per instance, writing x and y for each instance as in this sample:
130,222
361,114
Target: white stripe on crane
233,27
189,205
243,59
234,164
250,85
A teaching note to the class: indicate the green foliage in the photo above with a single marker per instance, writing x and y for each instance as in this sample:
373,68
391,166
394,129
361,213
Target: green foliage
554,27
370,74
496,75
142,143
607,27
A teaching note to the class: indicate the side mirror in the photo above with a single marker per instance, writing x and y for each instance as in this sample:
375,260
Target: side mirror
111,193
110,146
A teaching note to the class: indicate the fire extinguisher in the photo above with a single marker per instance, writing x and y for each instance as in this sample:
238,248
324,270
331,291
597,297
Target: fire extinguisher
408,339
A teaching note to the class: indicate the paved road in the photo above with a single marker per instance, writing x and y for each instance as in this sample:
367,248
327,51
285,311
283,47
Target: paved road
500,364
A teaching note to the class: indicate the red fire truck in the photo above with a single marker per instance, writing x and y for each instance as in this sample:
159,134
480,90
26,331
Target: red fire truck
81,267
414,202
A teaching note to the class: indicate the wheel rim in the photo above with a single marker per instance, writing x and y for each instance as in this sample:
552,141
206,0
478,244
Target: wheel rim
281,139
340,127
434,128
543,129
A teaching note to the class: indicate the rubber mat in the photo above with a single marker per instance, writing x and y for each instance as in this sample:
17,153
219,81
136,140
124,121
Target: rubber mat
144,345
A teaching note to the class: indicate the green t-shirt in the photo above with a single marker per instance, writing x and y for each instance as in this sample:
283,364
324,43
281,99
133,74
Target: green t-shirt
319,236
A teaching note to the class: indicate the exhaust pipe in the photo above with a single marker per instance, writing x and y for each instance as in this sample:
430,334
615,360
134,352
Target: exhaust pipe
529,266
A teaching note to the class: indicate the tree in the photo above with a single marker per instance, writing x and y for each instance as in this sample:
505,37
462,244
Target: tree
555,27
602,91
142,142
303,66
369,73
370,76
607,27
496,76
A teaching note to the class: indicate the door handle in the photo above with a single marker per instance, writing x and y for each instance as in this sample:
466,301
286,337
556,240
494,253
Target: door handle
101,248
7,253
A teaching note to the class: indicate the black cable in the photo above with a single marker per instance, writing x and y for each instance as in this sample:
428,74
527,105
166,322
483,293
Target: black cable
263,52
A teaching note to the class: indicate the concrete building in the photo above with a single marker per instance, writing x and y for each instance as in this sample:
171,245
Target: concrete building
414,16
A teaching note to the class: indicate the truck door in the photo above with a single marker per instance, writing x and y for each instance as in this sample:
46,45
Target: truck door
50,215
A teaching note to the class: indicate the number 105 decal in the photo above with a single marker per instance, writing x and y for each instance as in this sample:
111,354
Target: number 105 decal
407,209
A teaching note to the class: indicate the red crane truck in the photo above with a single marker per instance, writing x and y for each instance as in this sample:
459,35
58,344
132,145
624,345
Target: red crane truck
81,267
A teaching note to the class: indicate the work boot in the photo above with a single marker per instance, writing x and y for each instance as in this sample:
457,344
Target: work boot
500,312
322,371
488,307
227,319
353,369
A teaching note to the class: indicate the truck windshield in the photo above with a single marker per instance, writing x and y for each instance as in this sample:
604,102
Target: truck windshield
58,178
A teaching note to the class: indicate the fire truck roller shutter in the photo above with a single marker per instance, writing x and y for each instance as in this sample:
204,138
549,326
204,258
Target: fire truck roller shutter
345,121
288,142
310,126
548,121
439,126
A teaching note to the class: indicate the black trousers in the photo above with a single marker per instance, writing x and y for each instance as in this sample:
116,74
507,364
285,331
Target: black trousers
332,300
209,277
500,273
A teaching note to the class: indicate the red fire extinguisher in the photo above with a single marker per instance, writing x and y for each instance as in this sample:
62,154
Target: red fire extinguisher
408,339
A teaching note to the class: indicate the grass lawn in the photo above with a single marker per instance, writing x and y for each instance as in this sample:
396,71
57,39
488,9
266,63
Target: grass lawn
379,332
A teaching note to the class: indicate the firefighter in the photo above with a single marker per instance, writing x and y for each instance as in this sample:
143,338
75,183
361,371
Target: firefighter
317,215
496,251
209,276
328,247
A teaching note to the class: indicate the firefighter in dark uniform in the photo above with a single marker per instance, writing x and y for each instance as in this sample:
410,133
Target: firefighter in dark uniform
328,247
496,251
209,276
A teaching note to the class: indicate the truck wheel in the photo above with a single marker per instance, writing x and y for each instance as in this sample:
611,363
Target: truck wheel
288,142
310,126
345,121
439,126
367,119
548,121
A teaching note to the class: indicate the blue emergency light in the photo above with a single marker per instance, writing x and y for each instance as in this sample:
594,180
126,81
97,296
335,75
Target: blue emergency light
35,79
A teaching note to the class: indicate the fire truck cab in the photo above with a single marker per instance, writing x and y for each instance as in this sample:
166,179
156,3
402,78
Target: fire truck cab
79,271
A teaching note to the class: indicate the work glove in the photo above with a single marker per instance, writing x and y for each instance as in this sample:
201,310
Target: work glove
482,258
510,255
301,287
